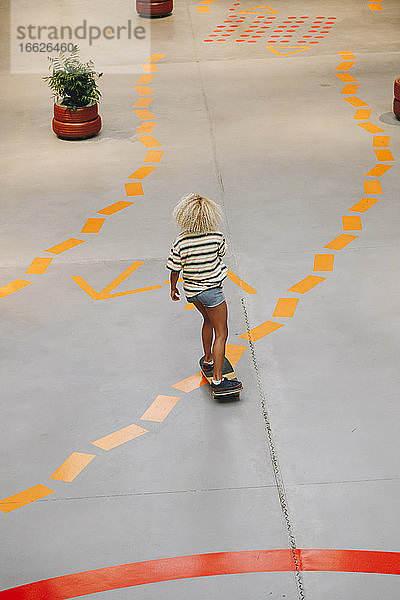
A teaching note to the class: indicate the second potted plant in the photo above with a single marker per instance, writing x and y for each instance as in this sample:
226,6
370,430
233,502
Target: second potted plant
75,91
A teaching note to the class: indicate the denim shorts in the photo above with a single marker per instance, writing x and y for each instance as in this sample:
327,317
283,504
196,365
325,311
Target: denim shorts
210,298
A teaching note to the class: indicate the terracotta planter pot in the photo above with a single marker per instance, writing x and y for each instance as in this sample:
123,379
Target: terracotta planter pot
397,89
81,123
150,9
396,108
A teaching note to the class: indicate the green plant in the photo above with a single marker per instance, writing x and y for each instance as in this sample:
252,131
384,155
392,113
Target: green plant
73,82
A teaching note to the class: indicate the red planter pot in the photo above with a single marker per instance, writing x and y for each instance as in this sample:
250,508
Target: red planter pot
149,8
396,108
397,89
76,124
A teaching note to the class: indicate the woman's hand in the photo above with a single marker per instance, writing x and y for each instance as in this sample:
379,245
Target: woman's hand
174,294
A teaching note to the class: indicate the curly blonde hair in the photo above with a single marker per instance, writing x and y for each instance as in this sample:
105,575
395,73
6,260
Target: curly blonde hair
197,214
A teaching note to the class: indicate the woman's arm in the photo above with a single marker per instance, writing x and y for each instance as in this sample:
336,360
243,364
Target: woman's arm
174,290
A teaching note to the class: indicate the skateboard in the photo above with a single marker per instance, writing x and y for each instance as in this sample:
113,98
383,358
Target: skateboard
227,371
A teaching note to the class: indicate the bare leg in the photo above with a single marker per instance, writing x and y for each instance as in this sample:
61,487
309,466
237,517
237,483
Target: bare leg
219,320
206,332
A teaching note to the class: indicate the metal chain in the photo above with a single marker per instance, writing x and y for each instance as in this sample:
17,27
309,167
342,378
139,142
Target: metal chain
275,464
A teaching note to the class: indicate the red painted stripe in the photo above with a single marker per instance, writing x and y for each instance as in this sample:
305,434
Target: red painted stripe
203,565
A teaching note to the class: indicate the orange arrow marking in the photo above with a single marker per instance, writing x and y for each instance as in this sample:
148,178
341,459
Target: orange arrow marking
104,294
292,49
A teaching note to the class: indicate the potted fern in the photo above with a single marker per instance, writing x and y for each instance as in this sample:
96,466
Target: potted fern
75,93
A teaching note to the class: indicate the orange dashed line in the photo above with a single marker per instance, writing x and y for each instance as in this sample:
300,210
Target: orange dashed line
153,156
113,208
39,265
373,187
370,127
340,241
378,170
142,172
134,189
323,262
146,127
384,155
149,141
93,225
351,223
64,246
354,101
71,467
145,79
126,434
25,497
190,383
160,408
306,284
285,307
364,204
143,102
144,114
13,286
143,90
256,333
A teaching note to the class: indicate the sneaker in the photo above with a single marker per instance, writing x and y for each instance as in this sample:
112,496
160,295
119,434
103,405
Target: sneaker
227,386
207,369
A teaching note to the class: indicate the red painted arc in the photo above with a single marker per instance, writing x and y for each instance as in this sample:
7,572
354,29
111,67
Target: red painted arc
204,565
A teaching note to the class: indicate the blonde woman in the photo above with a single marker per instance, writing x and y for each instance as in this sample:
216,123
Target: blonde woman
197,252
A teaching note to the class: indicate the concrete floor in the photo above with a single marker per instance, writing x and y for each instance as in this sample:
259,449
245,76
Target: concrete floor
271,138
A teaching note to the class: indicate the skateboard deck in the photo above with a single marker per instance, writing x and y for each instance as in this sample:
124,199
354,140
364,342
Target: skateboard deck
227,371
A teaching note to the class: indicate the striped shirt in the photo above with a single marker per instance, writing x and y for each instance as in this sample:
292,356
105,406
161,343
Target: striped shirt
198,255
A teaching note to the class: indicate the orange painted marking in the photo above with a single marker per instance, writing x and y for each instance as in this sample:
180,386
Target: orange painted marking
350,89
346,77
242,284
155,57
143,90
378,170
13,286
285,307
153,156
345,65
370,127
160,408
364,204
71,467
126,434
39,265
323,262
202,9
292,49
259,10
145,79
105,294
149,141
134,189
362,113
143,102
113,208
347,55
261,330
354,101
180,279
63,246
373,187
144,114
149,68
190,383
352,223
384,155
340,241
234,352
93,225
380,141
189,306
375,6
146,127
142,172
306,284
25,497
